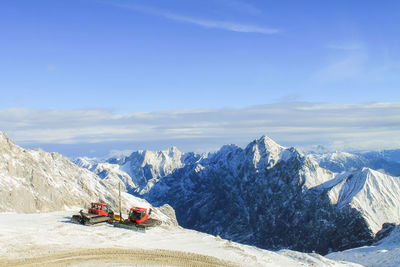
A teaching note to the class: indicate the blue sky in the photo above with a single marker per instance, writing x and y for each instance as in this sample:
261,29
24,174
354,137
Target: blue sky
133,56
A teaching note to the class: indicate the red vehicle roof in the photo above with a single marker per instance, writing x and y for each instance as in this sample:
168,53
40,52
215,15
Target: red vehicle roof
99,203
138,208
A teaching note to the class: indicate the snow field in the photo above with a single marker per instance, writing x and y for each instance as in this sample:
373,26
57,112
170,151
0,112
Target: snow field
41,234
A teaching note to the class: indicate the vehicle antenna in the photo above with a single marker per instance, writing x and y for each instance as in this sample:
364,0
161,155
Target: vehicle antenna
120,209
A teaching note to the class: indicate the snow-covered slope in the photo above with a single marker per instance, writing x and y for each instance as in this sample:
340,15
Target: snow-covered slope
50,239
375,195
384,253
34,180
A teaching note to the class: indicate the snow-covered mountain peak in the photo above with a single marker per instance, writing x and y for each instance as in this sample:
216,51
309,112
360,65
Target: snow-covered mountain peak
269,143
144,166
266,153
173,150
3,137
157,157
6,143
266,145
372,193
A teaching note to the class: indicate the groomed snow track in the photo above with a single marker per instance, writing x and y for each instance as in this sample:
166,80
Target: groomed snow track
107,257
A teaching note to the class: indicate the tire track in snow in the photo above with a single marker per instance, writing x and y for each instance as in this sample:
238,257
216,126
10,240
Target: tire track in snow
115,257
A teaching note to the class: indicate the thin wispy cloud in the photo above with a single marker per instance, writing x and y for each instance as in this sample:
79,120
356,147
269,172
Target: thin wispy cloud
224,25
206,23
338,127
347,61
344,68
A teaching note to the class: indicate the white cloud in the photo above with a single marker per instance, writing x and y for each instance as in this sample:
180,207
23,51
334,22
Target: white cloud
364,126
207,23
224,25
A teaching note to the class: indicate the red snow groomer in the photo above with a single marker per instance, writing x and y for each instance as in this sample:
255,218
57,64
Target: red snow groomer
97,213
138,219
138,215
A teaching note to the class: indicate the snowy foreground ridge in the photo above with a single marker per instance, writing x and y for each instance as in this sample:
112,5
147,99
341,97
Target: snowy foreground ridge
49,234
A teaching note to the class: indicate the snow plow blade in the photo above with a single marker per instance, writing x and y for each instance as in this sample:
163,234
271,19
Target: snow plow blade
139,227
89,219
116,217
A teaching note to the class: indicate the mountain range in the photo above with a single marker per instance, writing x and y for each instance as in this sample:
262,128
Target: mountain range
266,195
35,183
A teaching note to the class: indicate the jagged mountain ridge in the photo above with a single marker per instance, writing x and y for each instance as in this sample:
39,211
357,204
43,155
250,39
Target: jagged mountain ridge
111,173
228,194
140,170
37,181
274,197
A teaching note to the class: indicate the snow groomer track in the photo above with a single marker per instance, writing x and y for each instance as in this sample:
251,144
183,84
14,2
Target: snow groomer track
107,257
